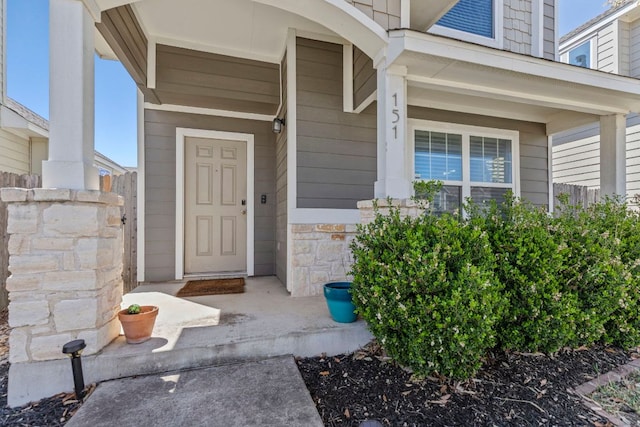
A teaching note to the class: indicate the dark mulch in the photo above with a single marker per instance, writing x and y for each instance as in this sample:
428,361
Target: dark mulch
54,411
510,390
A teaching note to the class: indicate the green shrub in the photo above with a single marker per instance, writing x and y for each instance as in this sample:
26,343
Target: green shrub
427,290
542,312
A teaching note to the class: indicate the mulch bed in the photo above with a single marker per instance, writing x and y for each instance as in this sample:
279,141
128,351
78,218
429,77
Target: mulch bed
510,390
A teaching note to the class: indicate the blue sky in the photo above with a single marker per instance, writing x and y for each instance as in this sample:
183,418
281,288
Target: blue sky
116,120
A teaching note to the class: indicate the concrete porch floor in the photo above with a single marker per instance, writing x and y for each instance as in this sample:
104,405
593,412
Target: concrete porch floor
197,332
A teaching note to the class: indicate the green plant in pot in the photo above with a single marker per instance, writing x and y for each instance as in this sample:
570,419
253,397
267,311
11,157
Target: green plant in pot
137,322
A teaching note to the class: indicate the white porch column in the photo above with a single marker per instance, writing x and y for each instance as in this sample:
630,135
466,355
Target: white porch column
71,98
393,165
613,155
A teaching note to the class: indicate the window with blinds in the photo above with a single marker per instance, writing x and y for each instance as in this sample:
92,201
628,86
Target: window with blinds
476,163
471,16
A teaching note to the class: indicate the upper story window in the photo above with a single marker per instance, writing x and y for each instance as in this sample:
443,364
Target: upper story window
581,55
471,16
475,21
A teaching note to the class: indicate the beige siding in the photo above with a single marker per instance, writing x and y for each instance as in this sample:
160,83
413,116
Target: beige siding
364,77
201,79
336,150
578,162
384,12
160,191
534,181
606,49
14,153
548,23
634,49
517,26
39,153
624,53
281,187
121,30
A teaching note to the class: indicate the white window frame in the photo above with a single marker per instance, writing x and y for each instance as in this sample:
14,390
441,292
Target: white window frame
467,131
496,41
593,51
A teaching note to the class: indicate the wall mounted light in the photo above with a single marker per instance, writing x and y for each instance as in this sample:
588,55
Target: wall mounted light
277,125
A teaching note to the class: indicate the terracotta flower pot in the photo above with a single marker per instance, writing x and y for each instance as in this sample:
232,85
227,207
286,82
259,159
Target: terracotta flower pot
138,327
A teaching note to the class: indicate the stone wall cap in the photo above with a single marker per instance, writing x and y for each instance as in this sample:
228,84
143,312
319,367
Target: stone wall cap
385,203
16,195
11,194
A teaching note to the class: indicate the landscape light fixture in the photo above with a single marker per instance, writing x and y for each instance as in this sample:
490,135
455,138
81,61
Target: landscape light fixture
74,350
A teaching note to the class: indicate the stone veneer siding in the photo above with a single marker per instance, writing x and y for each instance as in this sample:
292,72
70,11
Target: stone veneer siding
320,254
517,26
65,260
384,12
408,207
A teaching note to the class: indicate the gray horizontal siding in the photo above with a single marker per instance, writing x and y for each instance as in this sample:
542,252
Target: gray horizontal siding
364,77
201,79
160,189
534,181
121,30
606,49
336,151
634,49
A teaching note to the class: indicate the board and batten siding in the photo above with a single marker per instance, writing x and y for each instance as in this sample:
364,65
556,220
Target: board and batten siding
336,151
281,187
15,156
201,79
534,177
549,28
160,187
365,77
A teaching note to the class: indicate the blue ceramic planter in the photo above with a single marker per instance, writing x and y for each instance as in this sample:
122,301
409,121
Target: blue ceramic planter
339,302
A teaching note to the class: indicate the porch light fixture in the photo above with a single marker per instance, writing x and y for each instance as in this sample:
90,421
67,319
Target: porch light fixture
277,125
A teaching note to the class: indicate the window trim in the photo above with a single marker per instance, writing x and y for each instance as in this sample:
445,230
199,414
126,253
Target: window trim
593,52
467,131
496,41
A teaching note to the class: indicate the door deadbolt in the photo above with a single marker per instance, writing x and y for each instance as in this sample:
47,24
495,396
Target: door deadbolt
244,202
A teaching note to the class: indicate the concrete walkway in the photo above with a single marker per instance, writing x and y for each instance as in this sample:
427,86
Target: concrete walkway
265,393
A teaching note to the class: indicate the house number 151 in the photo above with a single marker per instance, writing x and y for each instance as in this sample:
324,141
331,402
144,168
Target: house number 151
395,113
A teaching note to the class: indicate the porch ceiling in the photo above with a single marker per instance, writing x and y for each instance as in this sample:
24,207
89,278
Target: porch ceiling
452,75
242,28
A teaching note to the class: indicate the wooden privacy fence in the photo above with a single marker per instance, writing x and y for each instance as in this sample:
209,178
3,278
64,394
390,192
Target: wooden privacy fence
578,194
124,185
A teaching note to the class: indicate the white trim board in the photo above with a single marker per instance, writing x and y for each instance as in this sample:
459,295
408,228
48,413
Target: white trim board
181,134
208,112
141,190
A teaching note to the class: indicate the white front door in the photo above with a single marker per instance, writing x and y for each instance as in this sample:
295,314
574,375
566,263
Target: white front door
215,208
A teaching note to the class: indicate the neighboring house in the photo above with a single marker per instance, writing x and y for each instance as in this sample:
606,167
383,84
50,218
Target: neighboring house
372,95
609,43
24,142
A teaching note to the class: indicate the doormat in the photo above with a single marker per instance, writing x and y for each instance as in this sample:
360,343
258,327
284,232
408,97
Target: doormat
197,288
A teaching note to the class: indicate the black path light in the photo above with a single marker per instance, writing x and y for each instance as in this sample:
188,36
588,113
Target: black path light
74,350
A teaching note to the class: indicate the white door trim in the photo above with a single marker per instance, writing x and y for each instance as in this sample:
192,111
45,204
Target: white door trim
181,134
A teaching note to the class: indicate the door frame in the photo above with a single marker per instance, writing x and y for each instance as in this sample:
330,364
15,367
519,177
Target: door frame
181,135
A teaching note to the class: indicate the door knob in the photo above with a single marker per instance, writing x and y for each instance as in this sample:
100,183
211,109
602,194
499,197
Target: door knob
243,211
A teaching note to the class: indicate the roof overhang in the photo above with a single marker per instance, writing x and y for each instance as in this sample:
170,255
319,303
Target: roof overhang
255,29
19,120
424,14
459,76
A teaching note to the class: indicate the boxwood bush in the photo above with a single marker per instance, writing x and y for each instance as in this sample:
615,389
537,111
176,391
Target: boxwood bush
426,287
440,291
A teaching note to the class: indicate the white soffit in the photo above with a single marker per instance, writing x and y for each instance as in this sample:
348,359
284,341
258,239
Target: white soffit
451,66
241,27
